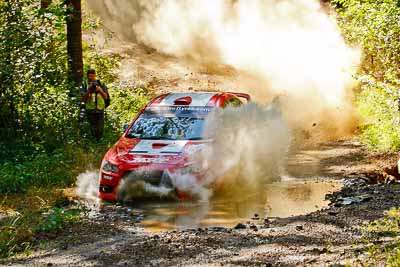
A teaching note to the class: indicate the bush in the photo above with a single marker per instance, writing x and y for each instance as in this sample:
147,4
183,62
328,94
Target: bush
126,103
41,170
375,25
38,102
379,105
55,219
48,170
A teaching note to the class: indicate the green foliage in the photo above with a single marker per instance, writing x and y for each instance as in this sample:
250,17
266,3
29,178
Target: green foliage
15,237
39,170
375,25
378,104
58,168
105,65
43,146
389,225
19,233
55,219
126,103
37,102
383,234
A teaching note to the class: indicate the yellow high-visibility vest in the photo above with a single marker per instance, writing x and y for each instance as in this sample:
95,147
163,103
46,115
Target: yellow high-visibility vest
95,101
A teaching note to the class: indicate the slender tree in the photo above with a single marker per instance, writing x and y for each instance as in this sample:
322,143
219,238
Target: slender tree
44,3
74,40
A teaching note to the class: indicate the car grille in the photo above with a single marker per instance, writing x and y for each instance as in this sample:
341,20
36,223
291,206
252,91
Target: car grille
152,177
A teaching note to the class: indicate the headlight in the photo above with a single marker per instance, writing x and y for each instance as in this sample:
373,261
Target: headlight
109,167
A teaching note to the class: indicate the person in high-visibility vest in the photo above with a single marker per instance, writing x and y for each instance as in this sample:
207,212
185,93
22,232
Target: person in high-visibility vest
96,98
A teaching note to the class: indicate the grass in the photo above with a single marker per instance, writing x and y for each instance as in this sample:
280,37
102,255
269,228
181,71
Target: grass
50,169
40,215
384,234
37,210
36,207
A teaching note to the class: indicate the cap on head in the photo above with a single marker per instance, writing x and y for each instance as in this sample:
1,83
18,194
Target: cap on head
91,71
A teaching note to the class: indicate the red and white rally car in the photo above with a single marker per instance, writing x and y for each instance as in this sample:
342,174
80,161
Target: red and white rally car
161,139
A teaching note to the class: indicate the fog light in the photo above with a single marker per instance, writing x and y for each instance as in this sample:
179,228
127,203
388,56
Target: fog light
107,177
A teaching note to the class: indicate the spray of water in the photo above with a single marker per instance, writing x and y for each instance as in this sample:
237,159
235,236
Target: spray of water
87,185
134,186
248,149
190,184
254,137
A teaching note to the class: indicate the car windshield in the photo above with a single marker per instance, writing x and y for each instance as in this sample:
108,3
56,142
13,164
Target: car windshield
170,123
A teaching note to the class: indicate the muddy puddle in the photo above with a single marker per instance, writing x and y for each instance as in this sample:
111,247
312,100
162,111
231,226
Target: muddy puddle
281,199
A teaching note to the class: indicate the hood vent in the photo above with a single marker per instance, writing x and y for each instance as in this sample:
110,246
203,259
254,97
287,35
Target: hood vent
158,145
183,101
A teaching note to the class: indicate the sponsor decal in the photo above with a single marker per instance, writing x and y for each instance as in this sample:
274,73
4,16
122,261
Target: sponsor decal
149,160
175,110
188,108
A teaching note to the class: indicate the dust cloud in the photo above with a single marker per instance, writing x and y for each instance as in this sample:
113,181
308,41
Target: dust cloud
288,48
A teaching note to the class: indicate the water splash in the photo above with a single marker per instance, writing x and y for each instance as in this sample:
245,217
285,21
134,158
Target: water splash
248,149
87,185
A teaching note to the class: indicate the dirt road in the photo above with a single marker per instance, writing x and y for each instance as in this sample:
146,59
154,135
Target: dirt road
205,234
327,236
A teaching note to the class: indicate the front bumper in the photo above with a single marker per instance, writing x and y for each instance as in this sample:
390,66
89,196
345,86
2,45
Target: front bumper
108,188
109,182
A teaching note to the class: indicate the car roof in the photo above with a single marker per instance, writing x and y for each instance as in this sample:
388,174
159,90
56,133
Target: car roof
199,99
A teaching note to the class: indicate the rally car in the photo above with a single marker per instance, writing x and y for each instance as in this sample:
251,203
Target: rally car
161,139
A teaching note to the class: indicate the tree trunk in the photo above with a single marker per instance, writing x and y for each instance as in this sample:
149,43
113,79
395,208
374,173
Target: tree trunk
74,40
7,80
44,3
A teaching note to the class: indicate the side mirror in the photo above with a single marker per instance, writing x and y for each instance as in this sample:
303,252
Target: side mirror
126,126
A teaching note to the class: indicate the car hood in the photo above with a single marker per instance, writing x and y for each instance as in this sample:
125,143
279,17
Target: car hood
132,149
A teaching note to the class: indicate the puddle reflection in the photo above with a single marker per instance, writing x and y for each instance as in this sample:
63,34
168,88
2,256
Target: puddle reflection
281,199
